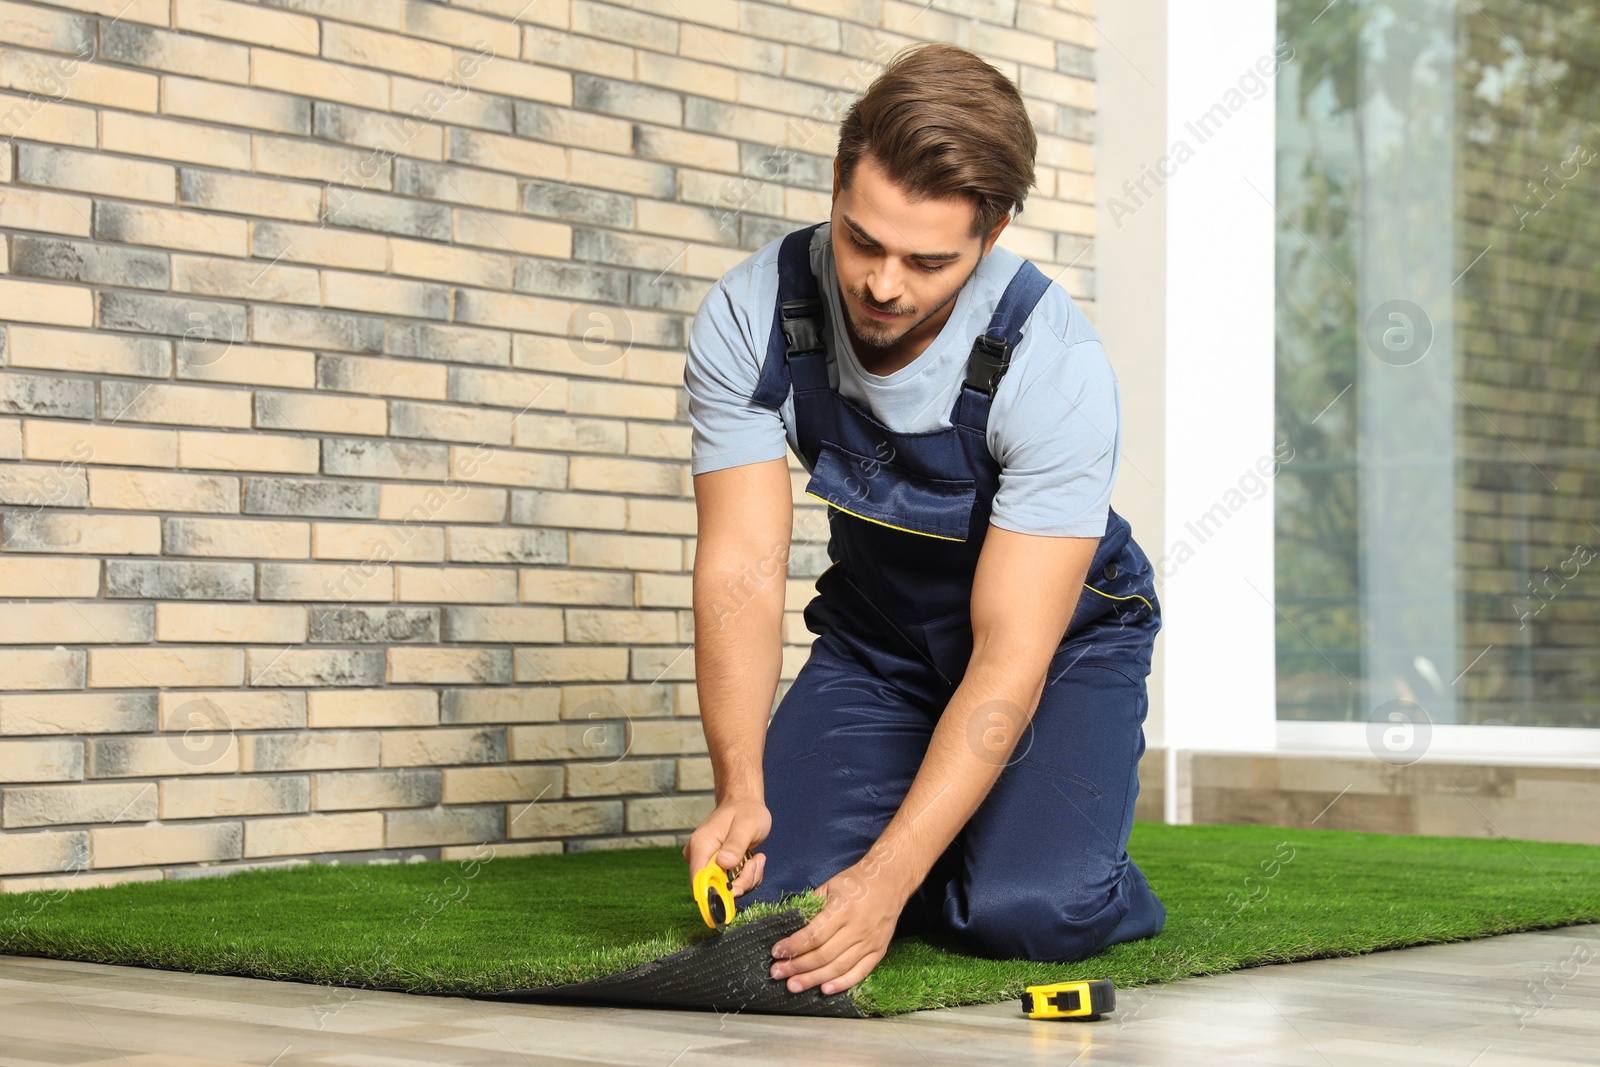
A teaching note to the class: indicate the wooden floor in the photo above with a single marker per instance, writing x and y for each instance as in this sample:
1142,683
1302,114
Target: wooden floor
1519,999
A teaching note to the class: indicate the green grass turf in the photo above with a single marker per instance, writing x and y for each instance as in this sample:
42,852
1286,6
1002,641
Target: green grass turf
1236,896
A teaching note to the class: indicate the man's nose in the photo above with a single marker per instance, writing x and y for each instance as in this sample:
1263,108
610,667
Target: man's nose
884,288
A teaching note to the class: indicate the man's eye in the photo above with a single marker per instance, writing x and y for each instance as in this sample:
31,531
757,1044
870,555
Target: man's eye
870,248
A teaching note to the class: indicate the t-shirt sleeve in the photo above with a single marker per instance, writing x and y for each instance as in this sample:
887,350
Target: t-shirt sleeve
720,373
1058,442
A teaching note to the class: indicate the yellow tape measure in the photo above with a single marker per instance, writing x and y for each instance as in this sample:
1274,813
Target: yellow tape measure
1070,1000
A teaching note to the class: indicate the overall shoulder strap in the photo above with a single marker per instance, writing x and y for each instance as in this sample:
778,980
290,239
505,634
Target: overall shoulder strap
991,350
797,319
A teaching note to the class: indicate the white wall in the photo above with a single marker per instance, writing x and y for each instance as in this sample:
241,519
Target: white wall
1130,281
1185,306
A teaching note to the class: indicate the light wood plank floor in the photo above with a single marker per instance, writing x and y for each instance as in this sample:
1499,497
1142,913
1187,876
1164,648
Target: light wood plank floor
1520,999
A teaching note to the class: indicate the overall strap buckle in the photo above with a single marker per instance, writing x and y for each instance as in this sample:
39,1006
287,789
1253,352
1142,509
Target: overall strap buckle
802,326
987,364
991,351
796,326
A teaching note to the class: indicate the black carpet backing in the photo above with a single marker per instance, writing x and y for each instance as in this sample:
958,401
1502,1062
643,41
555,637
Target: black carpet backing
728,972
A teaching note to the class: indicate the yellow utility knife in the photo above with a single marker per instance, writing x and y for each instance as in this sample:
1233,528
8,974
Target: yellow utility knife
713,891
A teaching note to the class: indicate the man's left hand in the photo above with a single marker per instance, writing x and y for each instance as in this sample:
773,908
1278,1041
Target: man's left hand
848,937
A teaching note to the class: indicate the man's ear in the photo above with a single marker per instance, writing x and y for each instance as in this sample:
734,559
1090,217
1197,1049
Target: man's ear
994,234
837,184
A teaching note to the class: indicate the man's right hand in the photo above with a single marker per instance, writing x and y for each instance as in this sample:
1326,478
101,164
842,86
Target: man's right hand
734,827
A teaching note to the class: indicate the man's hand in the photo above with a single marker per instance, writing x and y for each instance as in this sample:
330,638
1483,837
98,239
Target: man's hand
734,827
849,936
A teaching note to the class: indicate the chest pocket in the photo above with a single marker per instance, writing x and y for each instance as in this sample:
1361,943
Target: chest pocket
889,494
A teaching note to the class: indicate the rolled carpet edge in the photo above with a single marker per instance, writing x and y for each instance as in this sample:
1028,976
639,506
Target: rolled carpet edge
728,972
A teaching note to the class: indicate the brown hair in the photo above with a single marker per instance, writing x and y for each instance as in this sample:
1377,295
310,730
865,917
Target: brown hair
941,123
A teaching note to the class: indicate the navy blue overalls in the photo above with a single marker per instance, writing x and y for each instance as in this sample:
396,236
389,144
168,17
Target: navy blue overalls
1041,870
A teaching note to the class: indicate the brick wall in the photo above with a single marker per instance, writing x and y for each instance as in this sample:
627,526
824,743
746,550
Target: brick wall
1532,801
344,511
1528,412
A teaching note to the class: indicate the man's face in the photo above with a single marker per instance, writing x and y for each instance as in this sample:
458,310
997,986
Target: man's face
900,263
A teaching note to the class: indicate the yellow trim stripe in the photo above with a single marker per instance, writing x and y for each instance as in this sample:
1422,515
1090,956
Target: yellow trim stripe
1108,596
937,537
890,525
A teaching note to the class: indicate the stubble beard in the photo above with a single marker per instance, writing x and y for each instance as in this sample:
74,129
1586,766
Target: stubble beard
875,334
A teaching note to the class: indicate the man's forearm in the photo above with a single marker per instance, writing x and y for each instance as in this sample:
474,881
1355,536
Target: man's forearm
738,618
970,746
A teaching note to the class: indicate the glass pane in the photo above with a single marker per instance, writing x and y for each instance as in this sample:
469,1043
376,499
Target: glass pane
1438,361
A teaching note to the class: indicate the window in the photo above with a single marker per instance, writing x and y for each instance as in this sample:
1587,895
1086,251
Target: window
1438,361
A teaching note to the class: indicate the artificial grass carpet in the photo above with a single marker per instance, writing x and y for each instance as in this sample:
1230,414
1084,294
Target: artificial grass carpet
1236,896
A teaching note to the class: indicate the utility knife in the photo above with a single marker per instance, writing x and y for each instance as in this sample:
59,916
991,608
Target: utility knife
713,891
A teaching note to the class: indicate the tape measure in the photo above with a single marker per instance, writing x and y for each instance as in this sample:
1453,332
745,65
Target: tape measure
1070,1000
713,891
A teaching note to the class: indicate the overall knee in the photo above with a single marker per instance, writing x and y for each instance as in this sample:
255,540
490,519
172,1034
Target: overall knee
781,878
768,892
1034,925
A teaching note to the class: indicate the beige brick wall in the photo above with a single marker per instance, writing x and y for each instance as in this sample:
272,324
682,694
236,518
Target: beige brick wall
1530,801
344,511
1528,410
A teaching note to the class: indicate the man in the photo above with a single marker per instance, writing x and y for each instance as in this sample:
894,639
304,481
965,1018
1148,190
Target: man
960,750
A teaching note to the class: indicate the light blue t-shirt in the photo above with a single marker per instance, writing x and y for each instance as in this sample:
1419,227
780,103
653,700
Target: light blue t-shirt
1054,425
